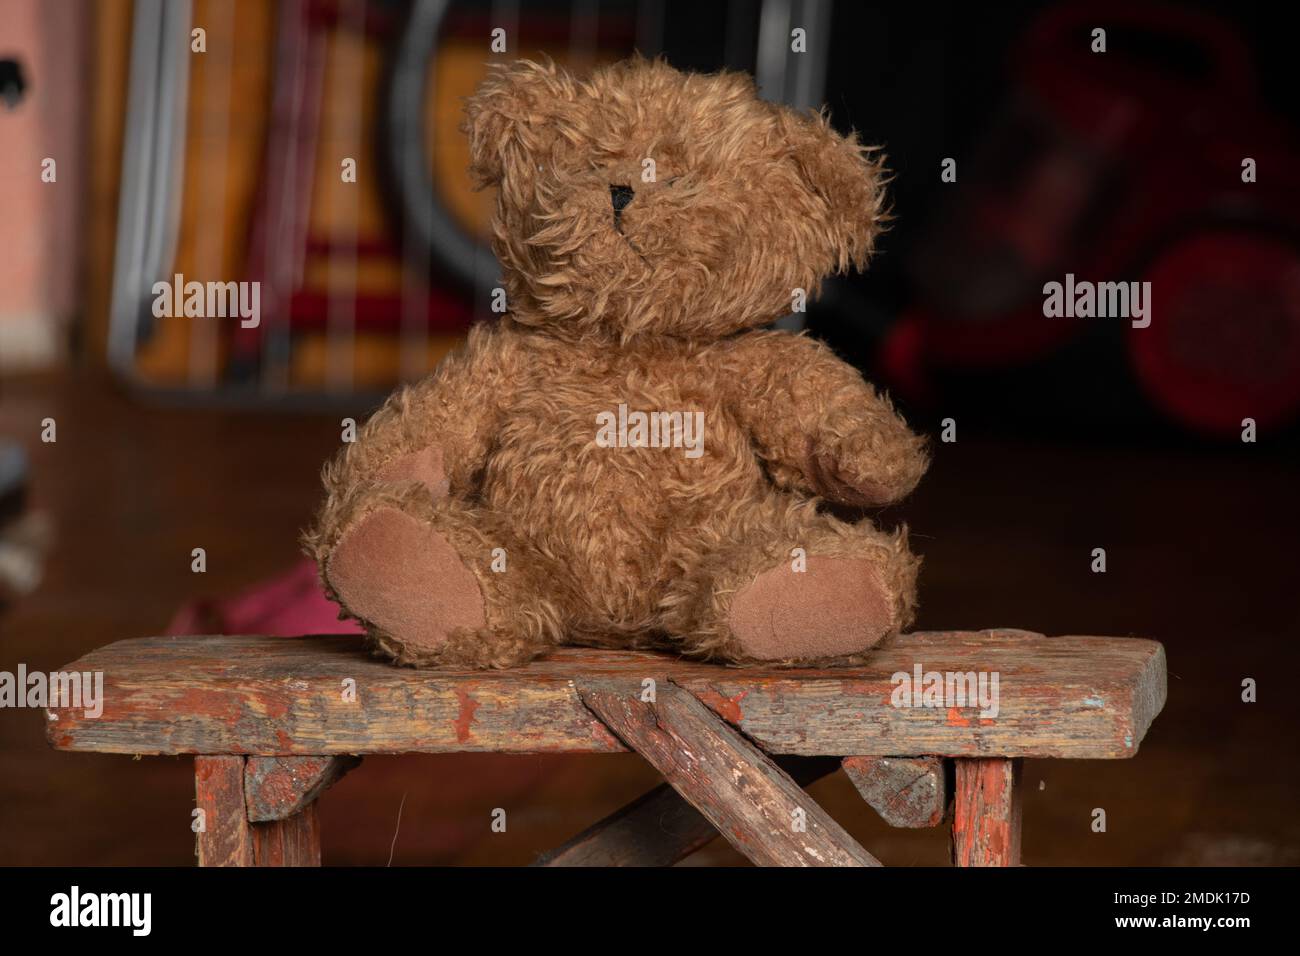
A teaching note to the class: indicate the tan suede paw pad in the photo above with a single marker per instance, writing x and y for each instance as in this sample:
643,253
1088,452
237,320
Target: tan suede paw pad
836,606
400,574
425,466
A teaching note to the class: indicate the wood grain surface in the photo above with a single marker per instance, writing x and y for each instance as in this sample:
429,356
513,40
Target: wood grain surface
987,813
1078,697
909,792
751,801
660,827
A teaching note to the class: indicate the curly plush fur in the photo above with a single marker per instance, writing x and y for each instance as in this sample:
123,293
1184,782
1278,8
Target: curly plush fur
477,521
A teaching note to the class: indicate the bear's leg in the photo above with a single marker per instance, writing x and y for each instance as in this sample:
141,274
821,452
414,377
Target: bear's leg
350,488
439,582
791,586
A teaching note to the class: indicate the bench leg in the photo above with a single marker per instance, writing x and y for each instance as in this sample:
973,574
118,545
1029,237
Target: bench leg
294,841
986,812
225,837
261,811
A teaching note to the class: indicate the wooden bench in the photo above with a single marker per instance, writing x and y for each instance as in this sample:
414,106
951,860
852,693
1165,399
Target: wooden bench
272,722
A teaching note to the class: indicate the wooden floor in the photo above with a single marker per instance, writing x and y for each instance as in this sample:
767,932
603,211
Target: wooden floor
1200,552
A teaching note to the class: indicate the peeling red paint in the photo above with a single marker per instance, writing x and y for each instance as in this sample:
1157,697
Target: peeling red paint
955,719
465,718
728,708
861,688
276,707
986,813
216,705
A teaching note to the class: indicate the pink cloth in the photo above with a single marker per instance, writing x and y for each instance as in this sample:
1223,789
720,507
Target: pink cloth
289,605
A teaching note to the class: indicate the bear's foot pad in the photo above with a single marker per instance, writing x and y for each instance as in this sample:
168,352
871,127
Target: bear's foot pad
836,606
401,575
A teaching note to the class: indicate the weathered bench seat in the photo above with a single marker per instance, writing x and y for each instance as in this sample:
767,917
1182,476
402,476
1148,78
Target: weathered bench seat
271,719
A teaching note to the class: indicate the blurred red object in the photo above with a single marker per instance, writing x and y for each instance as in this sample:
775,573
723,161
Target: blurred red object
1125,165
290,605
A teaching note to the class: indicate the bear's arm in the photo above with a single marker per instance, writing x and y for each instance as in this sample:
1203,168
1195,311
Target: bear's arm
817,424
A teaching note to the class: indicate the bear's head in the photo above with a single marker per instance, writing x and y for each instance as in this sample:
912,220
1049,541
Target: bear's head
647,200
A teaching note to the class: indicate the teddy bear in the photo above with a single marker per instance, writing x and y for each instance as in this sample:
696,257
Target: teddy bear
628,458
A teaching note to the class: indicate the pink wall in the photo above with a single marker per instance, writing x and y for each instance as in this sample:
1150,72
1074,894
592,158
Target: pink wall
40,223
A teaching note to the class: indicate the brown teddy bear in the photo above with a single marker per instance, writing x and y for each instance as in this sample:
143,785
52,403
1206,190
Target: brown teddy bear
626,460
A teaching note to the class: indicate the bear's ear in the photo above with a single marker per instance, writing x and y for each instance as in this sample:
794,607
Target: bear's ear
511,120
846,180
